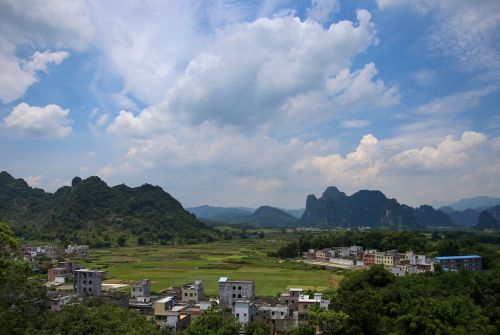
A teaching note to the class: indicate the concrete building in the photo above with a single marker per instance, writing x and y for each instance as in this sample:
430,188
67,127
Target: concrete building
193,293
291,299
162,306
76,249
141,289
232,290
59,300
456,263
243,311
58,275
88,282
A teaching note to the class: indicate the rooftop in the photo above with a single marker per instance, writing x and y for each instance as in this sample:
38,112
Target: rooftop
443,258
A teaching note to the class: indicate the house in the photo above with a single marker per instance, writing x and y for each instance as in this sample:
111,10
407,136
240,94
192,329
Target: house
232,290
193,293
161,307
173,319
88,282
76,249
59,300
58,275
456,263
243,311
141,289
291,299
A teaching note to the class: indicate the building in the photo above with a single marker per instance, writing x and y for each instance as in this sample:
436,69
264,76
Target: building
76,249
456,263
291,299
141,289
58,275
243,311
232,290
193,293
59,300
88,282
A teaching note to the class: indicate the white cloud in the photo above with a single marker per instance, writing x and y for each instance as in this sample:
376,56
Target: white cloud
355,169
464,167
39,25
40,60
256,73
355,123
50,121
102,120
34,181
454,103
448,154
322,10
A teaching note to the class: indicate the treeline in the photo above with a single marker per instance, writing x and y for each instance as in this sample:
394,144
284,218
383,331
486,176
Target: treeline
377,302
434,243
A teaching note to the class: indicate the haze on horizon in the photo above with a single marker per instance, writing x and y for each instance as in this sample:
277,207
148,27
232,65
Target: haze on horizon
244,103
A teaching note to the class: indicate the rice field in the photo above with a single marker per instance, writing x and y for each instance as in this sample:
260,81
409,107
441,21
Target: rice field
174,265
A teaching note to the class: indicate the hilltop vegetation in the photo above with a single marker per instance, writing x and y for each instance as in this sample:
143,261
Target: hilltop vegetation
91,212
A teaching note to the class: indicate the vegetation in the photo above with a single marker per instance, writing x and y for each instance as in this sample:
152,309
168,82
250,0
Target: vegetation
174,265
23,305
91,212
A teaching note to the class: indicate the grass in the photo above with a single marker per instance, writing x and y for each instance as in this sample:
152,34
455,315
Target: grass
174,265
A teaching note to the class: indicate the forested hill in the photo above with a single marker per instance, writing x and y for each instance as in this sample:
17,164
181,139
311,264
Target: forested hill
89,211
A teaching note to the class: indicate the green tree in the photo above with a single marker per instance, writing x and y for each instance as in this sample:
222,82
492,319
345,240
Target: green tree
256,328
212,323
121,240
102,319
22,301
301,330
328,321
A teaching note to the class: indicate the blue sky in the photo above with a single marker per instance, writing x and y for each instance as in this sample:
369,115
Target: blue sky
238,103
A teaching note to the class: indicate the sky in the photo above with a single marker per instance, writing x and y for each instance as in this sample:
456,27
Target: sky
245,103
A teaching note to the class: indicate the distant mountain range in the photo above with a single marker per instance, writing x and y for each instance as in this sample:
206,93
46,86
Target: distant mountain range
89,211
474,203
368,209
263,216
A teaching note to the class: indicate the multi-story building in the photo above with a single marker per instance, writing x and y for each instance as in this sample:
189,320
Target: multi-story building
369,258
141,289
291,299
455,263
244,311
232,290
193,292
88,282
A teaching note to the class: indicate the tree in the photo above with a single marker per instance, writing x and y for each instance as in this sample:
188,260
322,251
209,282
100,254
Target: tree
101,319
301,330
22,301
212,322
121,240
330,322
256,328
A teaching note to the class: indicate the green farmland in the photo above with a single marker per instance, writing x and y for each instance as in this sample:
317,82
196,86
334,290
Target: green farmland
174,265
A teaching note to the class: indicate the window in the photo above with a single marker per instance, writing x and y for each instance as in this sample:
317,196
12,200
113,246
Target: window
185,294
234,295
239,295
90,281
190,294
239,288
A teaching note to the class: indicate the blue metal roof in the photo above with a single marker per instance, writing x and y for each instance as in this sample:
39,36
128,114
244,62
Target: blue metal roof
443,258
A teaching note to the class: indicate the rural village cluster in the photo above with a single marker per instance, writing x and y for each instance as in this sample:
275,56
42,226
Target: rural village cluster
176,307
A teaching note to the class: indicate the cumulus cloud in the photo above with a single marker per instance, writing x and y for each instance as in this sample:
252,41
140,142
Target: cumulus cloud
259,72
40,25
430,173
50,121
448,154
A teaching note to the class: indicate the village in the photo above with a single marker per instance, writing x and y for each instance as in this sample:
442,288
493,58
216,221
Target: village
175,308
